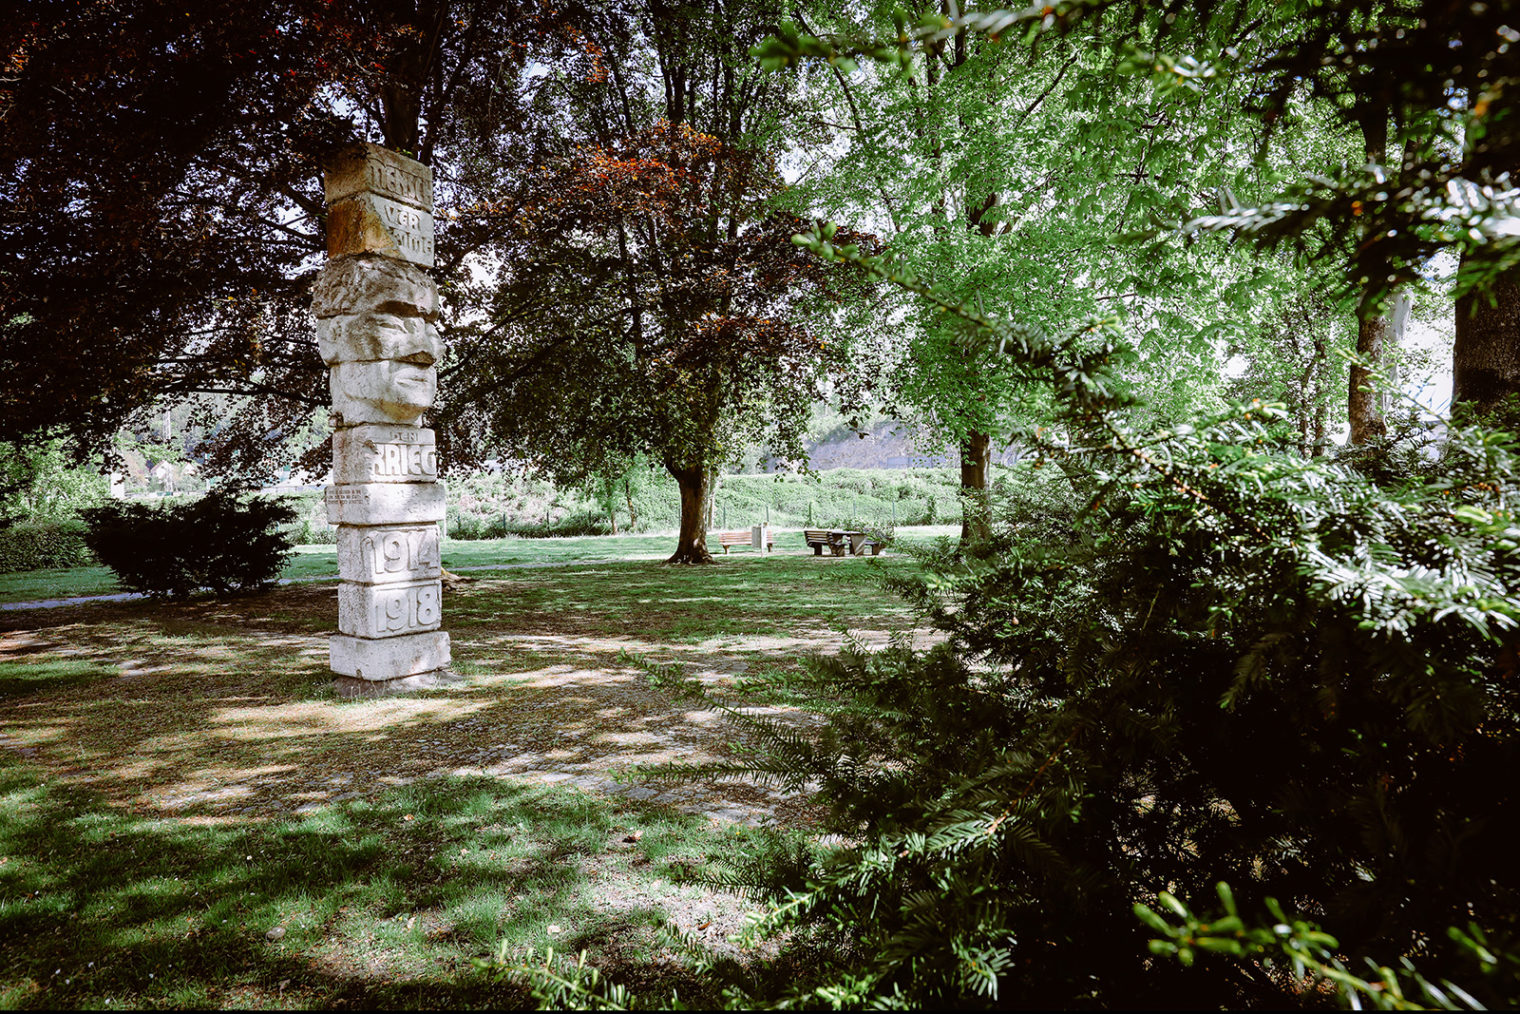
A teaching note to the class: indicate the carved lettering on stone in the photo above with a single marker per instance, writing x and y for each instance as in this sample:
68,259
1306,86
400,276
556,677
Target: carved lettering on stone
375,309
384,454
387,610
373,169
399,503
388,555
370,224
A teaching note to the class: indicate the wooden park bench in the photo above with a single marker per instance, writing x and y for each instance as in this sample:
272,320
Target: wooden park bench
744,537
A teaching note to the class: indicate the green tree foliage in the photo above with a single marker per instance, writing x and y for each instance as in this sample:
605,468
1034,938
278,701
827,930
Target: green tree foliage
1235,662
41,483
1012,177
650,298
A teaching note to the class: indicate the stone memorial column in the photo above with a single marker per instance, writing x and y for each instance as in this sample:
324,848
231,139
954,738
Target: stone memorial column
375,305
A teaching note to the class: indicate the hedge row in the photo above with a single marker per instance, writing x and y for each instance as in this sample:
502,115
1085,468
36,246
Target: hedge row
490,506
42,545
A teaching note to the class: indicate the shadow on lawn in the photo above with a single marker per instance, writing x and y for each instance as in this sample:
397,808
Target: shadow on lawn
373,903
192,713
181,780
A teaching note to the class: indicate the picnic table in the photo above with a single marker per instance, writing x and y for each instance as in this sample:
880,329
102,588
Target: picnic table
838,540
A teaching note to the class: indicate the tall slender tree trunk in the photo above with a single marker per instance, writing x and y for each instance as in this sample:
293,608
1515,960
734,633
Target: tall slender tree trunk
1486,358
976,458
1364,406
691,479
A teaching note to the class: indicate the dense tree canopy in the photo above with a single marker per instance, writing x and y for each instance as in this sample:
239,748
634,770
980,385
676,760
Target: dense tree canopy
161,208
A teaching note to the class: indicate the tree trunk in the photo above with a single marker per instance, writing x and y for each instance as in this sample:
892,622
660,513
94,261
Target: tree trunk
1485,358
692,481
1485,366
1364,406
976,456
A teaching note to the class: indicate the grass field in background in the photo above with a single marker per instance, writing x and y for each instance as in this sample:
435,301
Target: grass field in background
316,562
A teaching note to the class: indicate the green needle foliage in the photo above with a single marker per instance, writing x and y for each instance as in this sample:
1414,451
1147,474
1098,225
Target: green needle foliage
223,542
1233,662
1238,664
1311,954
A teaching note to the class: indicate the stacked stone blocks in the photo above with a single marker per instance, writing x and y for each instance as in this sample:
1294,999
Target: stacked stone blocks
376,306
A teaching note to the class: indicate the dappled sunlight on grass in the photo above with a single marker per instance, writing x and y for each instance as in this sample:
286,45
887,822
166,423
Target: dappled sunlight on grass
177,780
371,902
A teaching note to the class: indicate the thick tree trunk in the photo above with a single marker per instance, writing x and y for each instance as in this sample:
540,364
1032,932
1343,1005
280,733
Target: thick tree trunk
976,457
692,545
1485,365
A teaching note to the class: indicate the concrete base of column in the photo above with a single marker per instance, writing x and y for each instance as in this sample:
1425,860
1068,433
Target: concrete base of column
348,686
389,658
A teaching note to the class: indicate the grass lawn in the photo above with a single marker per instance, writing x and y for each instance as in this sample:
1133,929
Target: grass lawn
189,815
315,562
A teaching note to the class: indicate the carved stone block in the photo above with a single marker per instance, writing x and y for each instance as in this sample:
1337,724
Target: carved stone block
389,658
369,284
386,391
401,503
372,453
367,336
389,610
389,555
371,224
369,167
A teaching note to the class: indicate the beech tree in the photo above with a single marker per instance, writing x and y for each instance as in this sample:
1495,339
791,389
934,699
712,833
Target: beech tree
161,213
654,311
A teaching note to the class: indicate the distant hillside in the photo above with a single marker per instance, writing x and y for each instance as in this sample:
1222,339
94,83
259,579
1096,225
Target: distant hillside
888,444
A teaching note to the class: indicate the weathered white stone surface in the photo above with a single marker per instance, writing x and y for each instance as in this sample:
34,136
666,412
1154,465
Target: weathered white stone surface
389,658
355,337
401,503
386,391
389,554
374,453
389,610
368,284
369,167
375,309
370,224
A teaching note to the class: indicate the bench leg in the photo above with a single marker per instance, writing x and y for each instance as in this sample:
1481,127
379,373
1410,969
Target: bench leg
817,549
